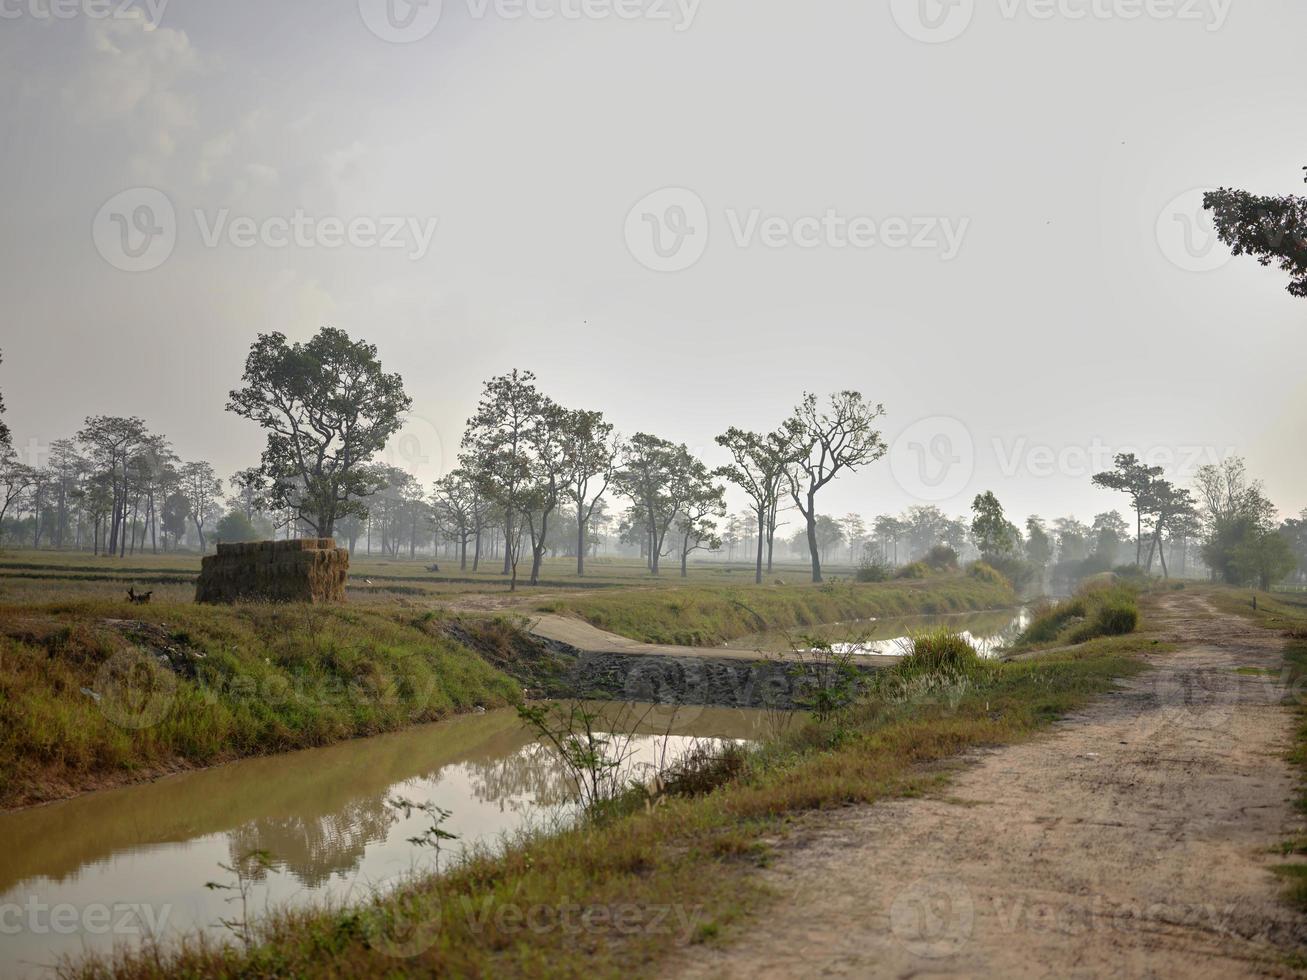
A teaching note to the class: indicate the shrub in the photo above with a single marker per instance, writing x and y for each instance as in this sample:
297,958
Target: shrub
1100,607
942,558
939,650
987,573
874,570
918,569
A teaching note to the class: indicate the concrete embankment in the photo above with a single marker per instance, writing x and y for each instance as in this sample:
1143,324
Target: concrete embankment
608,666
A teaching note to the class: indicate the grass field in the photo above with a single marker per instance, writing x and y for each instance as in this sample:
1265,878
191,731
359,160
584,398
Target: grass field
709,615
30,576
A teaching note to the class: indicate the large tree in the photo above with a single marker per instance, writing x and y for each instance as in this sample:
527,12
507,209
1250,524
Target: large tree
1273,228
113,441
203,490
1136,481
328,408
997,538
589,461
1237,518
499,436
758,467
828,441
1171,511
658,477
704,505
462,506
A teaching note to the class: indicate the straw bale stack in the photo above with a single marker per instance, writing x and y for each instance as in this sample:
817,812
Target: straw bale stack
302,570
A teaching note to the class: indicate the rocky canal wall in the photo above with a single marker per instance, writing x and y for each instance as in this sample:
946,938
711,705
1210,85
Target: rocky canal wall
695,680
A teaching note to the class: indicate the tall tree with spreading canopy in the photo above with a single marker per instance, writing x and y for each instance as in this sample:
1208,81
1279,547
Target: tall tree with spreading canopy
705,504
202,490
1238,521
758,467
658,477
827,442
458,498
113,442
1136,481
1272,228
499,436
996,537
328,408
590,459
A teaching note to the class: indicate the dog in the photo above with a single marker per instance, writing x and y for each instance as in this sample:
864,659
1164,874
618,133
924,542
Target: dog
140,599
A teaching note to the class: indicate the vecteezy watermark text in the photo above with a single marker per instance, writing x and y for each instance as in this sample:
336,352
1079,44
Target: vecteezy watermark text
668,230
137,230
407,21
940,21
96,919
150,10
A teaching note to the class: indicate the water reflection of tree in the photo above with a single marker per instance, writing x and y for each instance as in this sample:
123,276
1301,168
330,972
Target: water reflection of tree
530,777
315,847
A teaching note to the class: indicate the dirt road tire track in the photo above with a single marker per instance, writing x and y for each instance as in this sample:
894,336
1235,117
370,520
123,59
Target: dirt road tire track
1133,841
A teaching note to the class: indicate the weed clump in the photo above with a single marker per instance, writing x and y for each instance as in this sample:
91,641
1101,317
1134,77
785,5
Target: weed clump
1097,609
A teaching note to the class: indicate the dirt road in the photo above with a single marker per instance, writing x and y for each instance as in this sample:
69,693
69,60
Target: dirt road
1133,842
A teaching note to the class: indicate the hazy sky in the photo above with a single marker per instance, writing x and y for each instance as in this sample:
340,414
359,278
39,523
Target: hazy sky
981,214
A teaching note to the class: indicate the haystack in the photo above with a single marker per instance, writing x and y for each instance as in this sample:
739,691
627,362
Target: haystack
302,570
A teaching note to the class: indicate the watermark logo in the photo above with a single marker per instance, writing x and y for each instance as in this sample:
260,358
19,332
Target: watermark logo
133,690
417,447
667,231
933,917
404,928
933,459
1187,235
933,21
406,21
401,21
136,230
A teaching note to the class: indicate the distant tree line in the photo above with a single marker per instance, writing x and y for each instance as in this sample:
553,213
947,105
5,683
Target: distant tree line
537,479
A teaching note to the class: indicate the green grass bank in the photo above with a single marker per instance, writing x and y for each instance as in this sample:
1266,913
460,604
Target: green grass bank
93,693
710,615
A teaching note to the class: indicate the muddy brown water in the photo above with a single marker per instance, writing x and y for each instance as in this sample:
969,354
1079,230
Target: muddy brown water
108,869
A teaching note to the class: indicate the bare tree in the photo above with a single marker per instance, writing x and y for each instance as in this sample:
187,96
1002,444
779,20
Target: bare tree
828,442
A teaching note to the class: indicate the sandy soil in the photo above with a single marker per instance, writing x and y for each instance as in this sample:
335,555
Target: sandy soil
1133,842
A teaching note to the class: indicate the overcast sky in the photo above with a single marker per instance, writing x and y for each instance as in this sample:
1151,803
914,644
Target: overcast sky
684,214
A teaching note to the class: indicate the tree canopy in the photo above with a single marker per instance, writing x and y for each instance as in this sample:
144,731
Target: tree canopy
328,408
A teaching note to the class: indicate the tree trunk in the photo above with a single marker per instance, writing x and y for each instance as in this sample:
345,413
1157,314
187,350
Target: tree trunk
508,548
757,572
811,516
580,540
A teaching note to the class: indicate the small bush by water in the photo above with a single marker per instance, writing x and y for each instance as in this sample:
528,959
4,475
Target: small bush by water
1097,609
